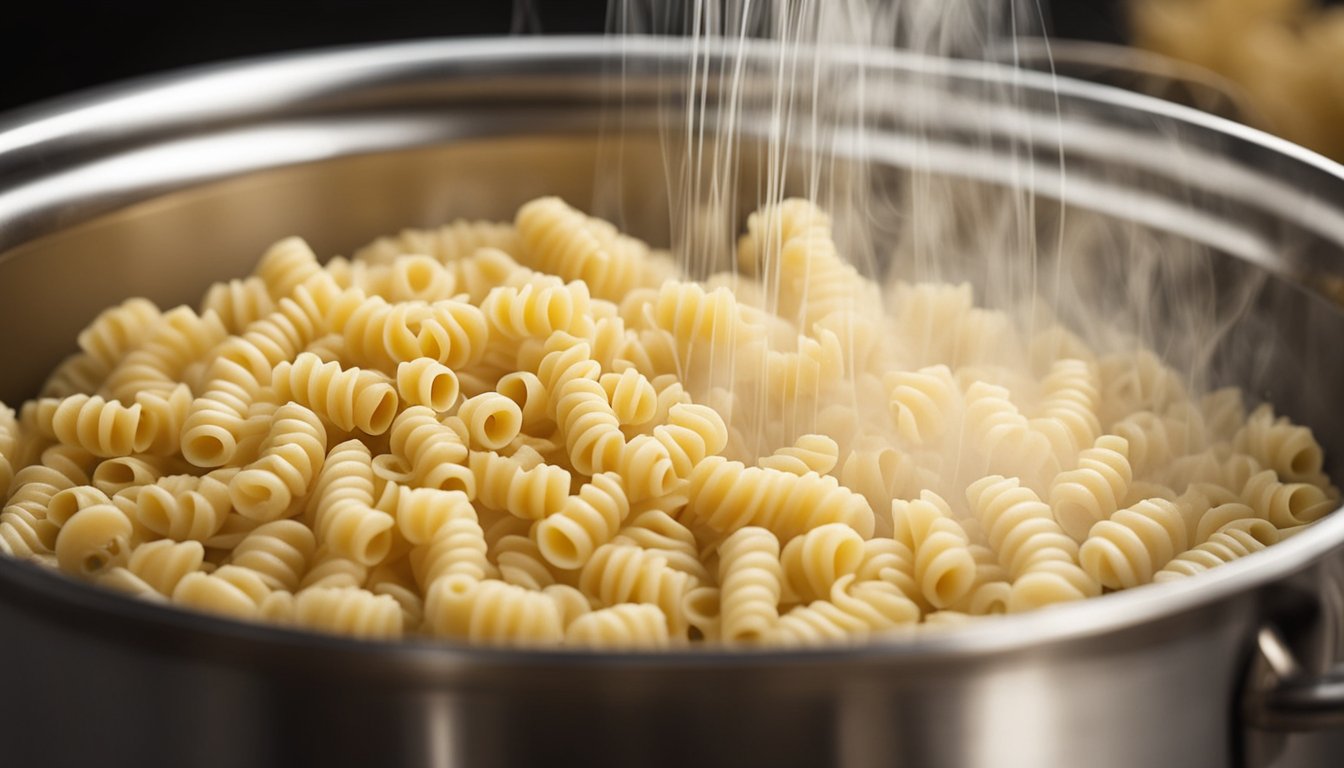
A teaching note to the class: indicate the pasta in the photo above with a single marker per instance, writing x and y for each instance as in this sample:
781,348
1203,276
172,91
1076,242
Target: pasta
539,433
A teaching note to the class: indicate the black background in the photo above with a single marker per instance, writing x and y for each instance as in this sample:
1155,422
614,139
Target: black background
53,47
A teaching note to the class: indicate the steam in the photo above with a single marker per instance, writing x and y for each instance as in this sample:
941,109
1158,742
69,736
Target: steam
935,165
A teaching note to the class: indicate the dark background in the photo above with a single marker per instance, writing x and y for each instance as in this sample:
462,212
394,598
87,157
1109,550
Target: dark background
53,47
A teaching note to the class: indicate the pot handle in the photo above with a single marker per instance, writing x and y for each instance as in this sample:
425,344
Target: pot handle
1295,700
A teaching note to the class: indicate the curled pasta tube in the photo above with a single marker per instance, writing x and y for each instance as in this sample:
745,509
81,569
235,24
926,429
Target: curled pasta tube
427,382
492,420
94,539
586,521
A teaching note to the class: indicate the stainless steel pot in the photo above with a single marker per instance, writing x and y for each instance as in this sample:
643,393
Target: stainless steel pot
157,187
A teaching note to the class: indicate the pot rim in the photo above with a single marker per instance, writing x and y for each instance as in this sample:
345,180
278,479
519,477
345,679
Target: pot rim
223,91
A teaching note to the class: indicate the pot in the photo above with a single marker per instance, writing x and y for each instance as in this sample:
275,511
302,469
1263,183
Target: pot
160,186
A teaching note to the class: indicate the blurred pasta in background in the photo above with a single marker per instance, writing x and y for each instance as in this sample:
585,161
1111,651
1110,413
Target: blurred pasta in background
1287,56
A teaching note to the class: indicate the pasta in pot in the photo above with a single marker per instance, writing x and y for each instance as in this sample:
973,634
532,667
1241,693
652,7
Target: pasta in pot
536,434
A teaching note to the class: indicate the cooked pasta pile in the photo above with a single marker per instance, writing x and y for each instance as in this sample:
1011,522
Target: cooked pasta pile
537,434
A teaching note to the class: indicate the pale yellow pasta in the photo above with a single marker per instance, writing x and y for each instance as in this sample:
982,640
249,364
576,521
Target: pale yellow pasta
161,565
541,434
94,539
502,484
279,553
450,243
348,611
457,546
348,397
287,265
229,590
239,303
176,339
1234,541
585,521
809,453
1094,491
620,573
290,459
726,495
921,401
814,561
944,567
434,452
427,382
185,507
117,330
1289,450
538,308
1136,542
1041,559
519,561
620,627
492,420
344,516
560,240
751,583
492,612
1286,504
854,611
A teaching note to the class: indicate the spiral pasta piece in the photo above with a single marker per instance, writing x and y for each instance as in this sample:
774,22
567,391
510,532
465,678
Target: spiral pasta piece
520,562
447,244
290,459
348,611
492,612
532,494
751,583
921,401
185,507
178,338
1285,504
620,573
101,427
620,627
557,239
118,330
94,539
344,516
239,303
1136,542
1234,541
161,565
458,546
422,512
492,420
944,567
429,383
727,495
1289,450
1093,492
813,562
278,552
537,309
435,452
584,522
809,453
350,398
229,590
854,611
1040,558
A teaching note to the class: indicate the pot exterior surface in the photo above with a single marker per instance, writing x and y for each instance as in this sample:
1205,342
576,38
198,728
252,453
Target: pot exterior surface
343,148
